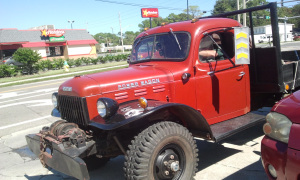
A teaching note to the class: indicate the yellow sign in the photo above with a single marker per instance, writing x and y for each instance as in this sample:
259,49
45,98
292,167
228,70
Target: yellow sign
241,34
242,55
242,45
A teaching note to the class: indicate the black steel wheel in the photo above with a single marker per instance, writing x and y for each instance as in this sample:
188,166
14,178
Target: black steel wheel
163,151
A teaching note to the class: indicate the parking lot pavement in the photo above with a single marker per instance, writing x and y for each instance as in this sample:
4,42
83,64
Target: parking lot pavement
238,157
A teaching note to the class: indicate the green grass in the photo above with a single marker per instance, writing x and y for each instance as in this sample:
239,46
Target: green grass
60,72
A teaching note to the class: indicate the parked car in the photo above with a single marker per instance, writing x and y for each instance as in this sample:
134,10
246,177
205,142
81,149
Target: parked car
11,61
280,148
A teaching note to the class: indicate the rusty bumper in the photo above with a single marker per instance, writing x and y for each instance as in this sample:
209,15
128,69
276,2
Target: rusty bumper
65,160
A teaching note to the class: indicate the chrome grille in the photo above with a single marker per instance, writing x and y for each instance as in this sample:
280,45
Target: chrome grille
73,109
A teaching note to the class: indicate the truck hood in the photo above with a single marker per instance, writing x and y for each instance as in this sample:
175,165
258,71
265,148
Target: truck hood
131,77
290,107
116,80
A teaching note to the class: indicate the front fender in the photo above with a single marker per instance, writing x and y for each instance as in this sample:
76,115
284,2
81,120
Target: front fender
130,115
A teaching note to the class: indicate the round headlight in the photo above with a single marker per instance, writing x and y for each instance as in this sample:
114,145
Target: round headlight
107,107
278,127
101,108
54,99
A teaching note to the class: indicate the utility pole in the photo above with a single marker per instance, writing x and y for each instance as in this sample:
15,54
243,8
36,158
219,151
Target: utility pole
238,8
244,15
121,32
285,19
187,9
112,30
71,23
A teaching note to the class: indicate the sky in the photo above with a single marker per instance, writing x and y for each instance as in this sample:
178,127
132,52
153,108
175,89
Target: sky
94,15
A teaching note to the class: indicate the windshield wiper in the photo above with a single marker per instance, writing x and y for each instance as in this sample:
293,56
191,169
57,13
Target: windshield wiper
174,35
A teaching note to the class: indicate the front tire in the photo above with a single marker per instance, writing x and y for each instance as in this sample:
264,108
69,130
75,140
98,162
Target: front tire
165,150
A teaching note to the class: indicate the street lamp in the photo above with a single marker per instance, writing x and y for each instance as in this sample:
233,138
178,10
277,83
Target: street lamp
71,23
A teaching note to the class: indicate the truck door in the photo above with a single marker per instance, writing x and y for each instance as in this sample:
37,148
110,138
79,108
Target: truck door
221,87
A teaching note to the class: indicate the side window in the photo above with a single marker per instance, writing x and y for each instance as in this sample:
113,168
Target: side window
209,51
143,49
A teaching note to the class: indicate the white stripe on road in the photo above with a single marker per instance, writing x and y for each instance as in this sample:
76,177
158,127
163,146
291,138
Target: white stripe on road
24,122
26,97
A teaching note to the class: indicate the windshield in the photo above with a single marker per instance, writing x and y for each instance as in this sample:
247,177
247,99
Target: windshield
168,46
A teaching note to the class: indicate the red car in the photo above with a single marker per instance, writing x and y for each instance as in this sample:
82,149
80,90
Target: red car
280,148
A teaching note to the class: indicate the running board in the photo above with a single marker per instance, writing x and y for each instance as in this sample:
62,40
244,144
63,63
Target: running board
230,127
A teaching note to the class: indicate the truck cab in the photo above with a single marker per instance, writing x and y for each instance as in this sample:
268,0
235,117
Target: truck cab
197,78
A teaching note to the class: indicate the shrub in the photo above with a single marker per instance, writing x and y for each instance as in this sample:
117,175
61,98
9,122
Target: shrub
58,63
94,60
78,62
297,39
27,57
86,60
46,64
70,62
7,70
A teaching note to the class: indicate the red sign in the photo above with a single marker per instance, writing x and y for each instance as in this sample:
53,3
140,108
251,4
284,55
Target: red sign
52,32
149,12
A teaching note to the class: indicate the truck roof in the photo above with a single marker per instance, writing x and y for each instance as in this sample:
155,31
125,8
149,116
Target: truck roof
202,24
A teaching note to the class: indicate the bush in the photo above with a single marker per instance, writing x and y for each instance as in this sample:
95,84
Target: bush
86,60
27,57
70,62
94,60
7,70
46,65
297,39
58,63
78,62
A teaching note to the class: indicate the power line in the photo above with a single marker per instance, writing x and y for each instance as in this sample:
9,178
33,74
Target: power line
139,5
288,1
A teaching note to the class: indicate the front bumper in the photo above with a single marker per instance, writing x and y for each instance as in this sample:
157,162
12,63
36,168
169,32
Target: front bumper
65,160
274,153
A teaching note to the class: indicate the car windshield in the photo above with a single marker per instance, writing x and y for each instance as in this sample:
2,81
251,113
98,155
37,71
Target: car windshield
170,46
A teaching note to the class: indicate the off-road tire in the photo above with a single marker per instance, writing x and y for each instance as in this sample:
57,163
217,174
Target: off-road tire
154,145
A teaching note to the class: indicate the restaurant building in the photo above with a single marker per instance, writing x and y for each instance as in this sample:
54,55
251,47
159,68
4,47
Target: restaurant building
49,43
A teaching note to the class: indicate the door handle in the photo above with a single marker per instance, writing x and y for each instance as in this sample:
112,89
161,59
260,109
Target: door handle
242,73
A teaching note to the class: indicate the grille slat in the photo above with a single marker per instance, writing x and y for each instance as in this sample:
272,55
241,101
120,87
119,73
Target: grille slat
73,109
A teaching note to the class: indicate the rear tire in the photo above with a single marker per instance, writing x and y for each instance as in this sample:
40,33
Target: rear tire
165,150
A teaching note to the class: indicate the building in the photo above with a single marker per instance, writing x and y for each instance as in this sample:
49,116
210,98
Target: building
49,43
264,33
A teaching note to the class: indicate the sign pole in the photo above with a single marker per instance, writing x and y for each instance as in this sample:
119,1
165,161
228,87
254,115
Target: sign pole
150,23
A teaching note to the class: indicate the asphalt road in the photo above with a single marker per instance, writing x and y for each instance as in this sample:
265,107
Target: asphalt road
25,109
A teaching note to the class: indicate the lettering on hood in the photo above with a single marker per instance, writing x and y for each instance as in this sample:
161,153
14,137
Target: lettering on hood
138,83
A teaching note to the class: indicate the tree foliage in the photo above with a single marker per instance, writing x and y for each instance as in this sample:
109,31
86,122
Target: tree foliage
27,57
223,6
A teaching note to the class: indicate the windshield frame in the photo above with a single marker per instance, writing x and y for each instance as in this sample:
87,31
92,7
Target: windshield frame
154,36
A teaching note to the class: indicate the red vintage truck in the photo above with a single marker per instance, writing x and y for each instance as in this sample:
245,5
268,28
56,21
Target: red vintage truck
170,93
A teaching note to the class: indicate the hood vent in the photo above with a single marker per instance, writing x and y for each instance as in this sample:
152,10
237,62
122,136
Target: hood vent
140,92
157,89
121,96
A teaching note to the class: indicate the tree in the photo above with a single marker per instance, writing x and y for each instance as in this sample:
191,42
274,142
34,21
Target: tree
129,37
155,22
194,11
27,57
223,6
290,12
107,38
